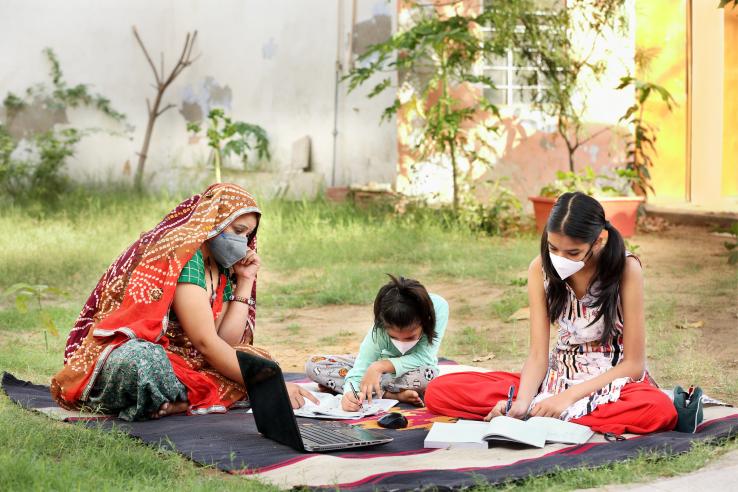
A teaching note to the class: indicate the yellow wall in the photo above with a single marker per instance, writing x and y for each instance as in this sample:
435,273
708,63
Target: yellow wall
661,28
729,182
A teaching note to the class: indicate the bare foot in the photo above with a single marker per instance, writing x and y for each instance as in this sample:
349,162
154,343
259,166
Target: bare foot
405,396
325,389
169,408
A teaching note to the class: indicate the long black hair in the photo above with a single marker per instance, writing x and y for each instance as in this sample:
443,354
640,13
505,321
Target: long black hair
402,302
581,217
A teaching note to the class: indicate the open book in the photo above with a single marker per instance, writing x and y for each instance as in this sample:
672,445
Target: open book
536,431
330,408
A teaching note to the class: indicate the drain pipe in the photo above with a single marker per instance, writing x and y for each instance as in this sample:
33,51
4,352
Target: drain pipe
337,81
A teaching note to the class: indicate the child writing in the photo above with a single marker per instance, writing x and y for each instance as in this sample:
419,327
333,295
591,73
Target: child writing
398,357
586,283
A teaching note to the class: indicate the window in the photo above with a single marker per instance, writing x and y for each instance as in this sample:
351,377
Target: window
516,82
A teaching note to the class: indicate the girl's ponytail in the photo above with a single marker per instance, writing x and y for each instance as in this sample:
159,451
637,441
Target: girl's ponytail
610,268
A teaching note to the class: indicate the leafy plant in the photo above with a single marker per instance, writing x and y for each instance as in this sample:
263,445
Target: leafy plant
590,183
732,247
641,142
60,96
436,56
38,173
27,293
31,165
228,137
564,67
724,3
500,214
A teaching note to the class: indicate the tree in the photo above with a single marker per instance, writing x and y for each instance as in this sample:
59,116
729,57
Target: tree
162,82
227,137
546,43
438,57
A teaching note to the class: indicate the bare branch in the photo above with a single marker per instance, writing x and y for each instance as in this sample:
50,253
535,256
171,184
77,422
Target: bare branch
168,106
598,132
146,53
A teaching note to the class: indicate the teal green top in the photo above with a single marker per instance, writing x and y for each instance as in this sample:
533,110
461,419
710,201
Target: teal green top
194,273
378,346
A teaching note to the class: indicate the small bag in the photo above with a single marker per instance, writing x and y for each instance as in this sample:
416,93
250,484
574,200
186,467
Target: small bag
688,405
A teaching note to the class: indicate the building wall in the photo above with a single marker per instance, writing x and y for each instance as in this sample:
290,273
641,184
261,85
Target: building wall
527,152
271,63
730,100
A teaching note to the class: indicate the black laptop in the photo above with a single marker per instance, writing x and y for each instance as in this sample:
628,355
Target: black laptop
276,420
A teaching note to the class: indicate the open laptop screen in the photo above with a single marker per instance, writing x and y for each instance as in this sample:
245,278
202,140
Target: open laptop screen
269,400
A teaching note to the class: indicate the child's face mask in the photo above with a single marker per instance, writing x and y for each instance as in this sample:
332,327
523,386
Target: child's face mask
228,249
404,347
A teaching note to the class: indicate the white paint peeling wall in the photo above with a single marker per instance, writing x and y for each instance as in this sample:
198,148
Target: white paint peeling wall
270,63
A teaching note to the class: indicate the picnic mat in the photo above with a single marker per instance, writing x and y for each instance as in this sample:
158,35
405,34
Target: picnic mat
231,443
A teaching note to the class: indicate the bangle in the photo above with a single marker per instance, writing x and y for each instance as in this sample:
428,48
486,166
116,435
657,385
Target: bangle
250,301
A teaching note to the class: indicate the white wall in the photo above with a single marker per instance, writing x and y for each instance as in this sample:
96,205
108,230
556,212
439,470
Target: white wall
277,58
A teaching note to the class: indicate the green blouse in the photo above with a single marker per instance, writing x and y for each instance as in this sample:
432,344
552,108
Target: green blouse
194,273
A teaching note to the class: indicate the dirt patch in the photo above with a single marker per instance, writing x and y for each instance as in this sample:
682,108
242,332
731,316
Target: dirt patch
685,266
294,334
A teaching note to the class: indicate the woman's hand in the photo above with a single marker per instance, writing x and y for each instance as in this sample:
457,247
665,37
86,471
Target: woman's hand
552,406
349,403
298,394
371,382
248,266
518,410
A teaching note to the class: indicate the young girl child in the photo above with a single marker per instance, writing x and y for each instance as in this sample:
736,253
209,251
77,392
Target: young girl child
398,357
585,282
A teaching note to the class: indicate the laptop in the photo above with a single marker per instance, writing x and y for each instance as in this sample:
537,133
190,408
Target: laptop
275,419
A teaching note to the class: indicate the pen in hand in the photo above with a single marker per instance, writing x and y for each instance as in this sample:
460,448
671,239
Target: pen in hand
356,395
510,393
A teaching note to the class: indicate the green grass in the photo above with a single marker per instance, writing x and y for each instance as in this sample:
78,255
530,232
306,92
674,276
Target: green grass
319,254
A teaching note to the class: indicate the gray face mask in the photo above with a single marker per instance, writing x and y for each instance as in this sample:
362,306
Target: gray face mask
228,249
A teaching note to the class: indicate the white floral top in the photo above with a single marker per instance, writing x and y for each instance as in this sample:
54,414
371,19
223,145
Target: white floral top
579,355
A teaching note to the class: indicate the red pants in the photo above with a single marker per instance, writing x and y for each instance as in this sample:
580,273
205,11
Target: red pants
641,409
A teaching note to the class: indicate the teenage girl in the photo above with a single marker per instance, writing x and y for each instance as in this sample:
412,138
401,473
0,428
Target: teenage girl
591,288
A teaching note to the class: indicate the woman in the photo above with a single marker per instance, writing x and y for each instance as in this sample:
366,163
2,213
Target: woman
160,331
585,282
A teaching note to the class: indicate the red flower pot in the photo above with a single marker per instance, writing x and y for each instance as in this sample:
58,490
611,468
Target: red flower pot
622,212
336,193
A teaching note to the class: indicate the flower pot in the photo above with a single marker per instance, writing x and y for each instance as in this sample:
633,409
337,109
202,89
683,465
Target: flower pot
622,212
336,193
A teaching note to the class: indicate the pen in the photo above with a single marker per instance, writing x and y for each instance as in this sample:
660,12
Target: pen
356,395
510,393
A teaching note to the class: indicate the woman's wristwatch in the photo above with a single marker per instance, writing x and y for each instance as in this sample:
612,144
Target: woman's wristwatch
250,300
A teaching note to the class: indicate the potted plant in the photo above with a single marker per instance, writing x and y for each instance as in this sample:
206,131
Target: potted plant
614,191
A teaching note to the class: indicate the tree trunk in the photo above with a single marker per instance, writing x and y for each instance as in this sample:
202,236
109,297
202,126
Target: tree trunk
142,154
452,148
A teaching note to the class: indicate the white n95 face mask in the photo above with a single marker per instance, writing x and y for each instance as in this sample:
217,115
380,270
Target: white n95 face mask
564,266
404,347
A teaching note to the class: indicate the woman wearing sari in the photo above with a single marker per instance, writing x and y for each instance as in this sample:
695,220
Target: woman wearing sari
159,333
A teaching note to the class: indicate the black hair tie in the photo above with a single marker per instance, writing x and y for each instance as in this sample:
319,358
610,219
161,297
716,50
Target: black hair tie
607,224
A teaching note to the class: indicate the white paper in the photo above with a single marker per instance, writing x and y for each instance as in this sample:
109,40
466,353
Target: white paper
330,408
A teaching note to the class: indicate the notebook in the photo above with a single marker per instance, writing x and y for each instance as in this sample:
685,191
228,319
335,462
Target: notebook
536,431
330,408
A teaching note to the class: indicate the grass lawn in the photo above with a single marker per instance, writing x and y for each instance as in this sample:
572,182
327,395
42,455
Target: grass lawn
324,262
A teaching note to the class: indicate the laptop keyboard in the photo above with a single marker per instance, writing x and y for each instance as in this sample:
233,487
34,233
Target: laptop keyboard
327,435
